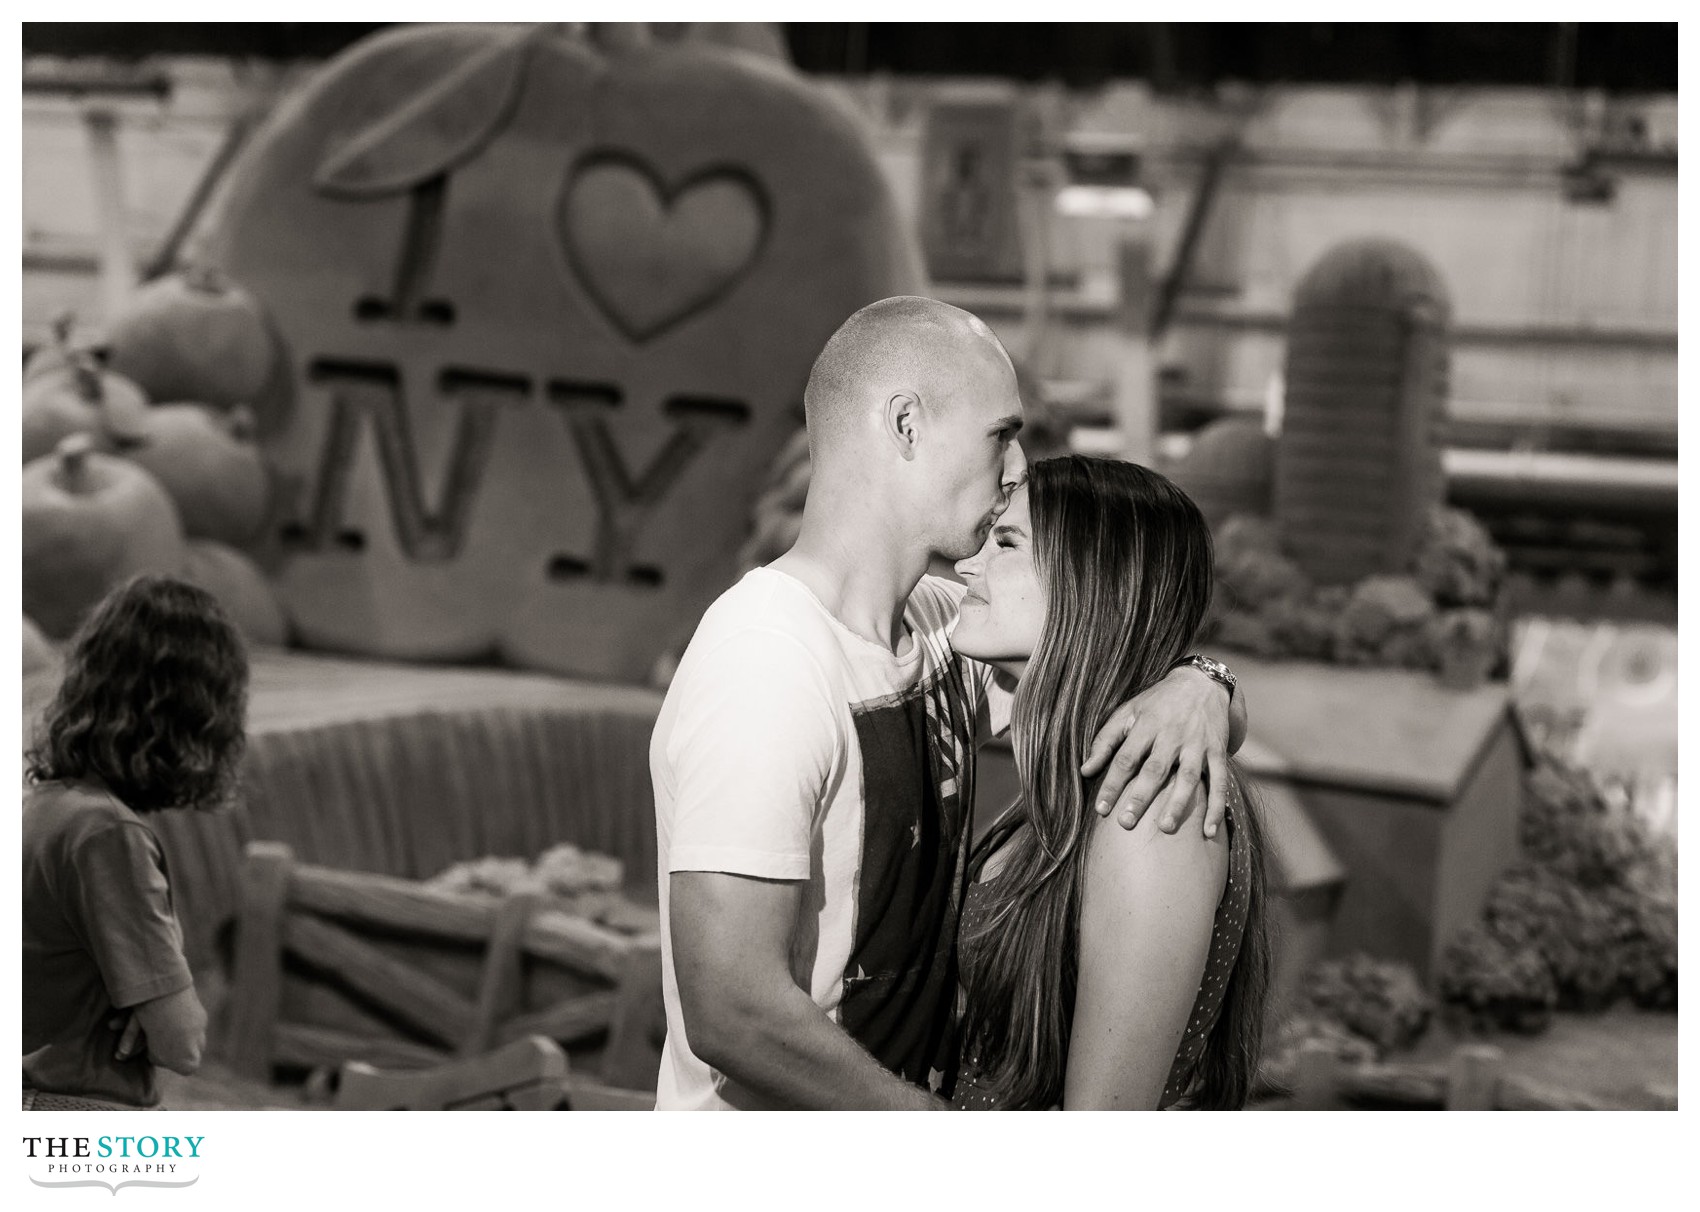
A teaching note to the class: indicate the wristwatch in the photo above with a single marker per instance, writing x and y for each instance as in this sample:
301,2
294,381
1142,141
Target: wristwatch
1212,668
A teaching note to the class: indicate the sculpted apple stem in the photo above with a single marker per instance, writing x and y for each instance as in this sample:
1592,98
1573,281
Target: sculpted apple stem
60,326
205,278
88,379
73,454
91,388
241,423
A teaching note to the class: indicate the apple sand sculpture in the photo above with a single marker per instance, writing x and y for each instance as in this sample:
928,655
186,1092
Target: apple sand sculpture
483,351
548,309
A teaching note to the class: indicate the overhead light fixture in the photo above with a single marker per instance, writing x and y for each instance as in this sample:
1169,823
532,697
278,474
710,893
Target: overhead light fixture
1105,202
1103,171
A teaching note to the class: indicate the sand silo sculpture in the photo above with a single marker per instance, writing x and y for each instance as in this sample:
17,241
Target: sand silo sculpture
1358,463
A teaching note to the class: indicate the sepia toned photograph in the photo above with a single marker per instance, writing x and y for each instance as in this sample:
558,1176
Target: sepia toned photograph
824,566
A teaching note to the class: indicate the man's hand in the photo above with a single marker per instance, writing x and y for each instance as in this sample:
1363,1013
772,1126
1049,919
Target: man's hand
1173,735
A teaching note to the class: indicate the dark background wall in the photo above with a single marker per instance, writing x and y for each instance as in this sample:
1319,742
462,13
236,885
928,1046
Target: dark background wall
1627,57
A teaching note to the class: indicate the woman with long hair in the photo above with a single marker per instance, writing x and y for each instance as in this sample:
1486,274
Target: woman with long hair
149,716
1102,967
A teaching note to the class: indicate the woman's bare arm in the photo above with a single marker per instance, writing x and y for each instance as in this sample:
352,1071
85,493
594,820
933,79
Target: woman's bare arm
1147,912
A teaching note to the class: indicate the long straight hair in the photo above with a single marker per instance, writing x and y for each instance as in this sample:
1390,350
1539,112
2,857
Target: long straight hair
1125,558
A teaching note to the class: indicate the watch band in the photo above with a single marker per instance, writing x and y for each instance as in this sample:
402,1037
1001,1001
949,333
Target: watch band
1213,669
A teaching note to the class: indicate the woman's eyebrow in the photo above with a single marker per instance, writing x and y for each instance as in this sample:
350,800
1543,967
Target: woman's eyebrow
1008,530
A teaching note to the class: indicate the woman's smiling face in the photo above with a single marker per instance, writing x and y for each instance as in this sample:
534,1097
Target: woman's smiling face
1003,612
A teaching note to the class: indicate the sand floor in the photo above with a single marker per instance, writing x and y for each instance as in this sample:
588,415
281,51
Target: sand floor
1621,1055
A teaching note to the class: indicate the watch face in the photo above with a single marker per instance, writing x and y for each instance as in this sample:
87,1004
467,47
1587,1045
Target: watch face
1215,669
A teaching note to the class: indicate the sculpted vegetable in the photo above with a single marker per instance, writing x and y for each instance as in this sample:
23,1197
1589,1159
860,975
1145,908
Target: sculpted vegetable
208,463
76,396
195,335
241,588
90,521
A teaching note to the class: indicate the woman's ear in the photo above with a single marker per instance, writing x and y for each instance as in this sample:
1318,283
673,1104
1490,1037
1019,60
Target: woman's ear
899,423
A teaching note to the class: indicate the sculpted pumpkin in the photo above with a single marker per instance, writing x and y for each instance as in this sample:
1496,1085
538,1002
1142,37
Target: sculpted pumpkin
58,350
90,521
195,335
241,588
75,396
1229,468
208,463
549,312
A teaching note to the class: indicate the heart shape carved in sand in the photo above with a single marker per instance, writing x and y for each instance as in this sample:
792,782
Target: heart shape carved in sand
651,253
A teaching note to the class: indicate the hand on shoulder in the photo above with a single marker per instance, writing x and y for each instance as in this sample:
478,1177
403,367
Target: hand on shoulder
1149,852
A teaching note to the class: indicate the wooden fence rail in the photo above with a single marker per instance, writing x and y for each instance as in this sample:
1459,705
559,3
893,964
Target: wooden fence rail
335,966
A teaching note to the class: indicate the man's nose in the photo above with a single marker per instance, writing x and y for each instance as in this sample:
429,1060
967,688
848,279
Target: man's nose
1014,468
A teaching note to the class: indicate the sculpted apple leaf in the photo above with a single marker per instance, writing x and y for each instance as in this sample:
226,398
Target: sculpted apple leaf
435,130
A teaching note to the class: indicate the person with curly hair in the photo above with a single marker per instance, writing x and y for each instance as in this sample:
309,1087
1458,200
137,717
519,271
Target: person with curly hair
150,716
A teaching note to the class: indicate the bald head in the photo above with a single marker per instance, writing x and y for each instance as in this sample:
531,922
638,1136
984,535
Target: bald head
902,344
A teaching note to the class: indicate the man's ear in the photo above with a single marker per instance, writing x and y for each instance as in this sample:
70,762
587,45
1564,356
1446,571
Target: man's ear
900,422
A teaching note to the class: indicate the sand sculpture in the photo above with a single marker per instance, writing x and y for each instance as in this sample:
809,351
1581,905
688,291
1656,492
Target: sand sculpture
1357,468
548,309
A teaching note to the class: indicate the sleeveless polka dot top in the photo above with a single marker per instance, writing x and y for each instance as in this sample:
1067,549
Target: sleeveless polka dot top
972,1092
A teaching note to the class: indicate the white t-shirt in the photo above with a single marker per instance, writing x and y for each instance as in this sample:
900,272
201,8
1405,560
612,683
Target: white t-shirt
790,748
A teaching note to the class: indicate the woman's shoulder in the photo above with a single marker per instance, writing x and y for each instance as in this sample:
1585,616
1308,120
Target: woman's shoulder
1146,864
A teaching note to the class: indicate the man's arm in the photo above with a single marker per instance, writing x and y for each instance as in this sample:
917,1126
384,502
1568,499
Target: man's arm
1166,740
752,742
744,1013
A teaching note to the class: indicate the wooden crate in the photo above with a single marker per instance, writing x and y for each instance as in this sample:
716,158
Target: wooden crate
333,966
1415,788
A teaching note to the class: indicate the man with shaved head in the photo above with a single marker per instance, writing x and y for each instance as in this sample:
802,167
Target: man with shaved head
814,760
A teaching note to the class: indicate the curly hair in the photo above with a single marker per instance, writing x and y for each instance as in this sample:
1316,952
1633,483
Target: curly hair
154,700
